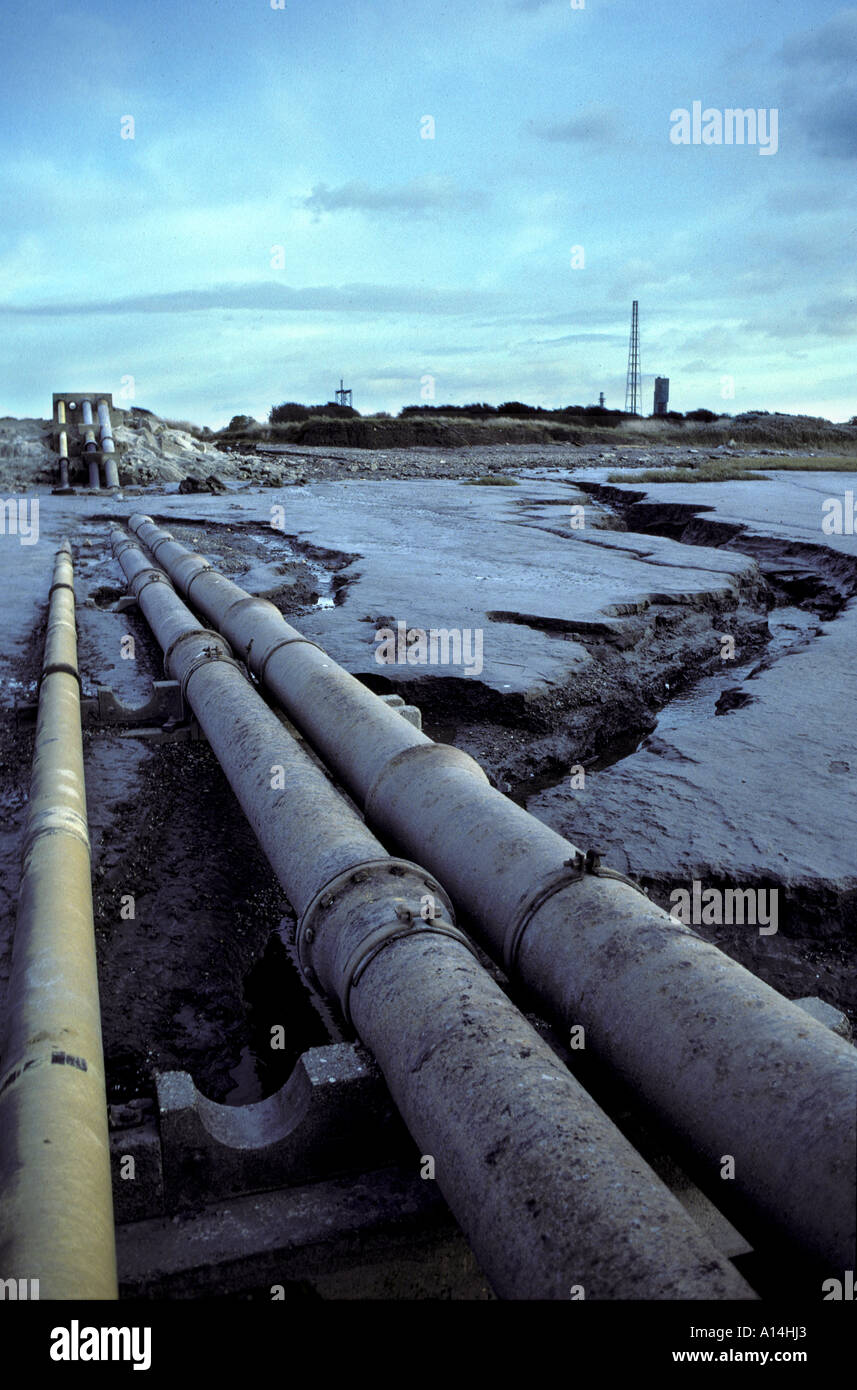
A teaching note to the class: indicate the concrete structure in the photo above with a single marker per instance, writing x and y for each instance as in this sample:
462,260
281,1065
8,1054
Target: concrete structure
75,427
662,395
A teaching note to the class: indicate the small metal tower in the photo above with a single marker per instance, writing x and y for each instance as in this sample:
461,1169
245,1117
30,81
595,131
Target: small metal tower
633,387
343,395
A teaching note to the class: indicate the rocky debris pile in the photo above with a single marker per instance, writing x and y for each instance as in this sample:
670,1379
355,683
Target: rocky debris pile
210,484
154,451
25,454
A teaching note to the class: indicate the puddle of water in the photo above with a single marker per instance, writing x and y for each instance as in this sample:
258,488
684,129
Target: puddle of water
249,1086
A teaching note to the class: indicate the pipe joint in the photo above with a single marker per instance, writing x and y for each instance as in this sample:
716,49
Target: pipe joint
64,668
203,569
146,577
410,761
55,820
574,870
207,655
359,913
260,666
218,644
120,543
162,540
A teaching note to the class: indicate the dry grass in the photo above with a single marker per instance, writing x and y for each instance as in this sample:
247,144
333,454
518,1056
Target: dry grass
491,480
717,471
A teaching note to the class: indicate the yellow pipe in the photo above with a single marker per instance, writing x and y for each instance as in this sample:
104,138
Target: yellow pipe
63,443
56,1203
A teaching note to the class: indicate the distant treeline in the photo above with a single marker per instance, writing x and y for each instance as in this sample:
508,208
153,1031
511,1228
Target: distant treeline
293,412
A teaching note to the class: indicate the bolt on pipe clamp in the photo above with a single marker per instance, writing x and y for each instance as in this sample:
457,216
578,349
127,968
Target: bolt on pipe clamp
574,870
359,912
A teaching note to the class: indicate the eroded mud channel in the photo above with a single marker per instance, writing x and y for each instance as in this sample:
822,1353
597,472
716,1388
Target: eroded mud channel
695,766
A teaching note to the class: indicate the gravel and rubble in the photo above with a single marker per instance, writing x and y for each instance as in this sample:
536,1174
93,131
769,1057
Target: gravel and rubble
156,456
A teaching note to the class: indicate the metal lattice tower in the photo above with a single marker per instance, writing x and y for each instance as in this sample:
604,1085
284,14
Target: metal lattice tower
633,387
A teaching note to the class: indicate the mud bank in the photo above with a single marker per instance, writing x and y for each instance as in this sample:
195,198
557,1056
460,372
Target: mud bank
761,797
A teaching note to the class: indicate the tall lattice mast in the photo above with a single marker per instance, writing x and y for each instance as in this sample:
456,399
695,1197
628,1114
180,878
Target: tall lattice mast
633,387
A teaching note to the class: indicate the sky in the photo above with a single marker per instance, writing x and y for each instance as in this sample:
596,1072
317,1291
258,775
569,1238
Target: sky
214,206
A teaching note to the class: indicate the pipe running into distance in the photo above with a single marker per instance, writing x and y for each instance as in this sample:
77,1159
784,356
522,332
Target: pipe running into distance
56,1200
550,1195
735,1069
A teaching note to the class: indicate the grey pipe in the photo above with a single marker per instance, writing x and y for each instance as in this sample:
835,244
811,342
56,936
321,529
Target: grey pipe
549,1193
105,428
733,1067
89,445
108,448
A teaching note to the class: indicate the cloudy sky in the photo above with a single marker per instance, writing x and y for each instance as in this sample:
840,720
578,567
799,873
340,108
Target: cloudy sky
280,216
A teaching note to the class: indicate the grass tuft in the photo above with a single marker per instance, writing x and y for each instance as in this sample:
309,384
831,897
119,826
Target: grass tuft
715,471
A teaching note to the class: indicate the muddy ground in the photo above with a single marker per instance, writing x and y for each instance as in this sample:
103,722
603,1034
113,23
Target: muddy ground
590,640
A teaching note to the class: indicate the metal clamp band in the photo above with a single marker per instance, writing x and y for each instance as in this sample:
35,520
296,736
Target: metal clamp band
358,873
284,642
54,821
126,543
193,632
375,942
573,871
210,654
205,568
152,576
63,668
152,546
60,584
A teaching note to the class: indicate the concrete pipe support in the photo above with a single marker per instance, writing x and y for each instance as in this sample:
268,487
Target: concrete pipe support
728,1063
56,1201
549,1193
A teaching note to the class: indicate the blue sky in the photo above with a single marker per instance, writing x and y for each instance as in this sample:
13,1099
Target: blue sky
156,258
